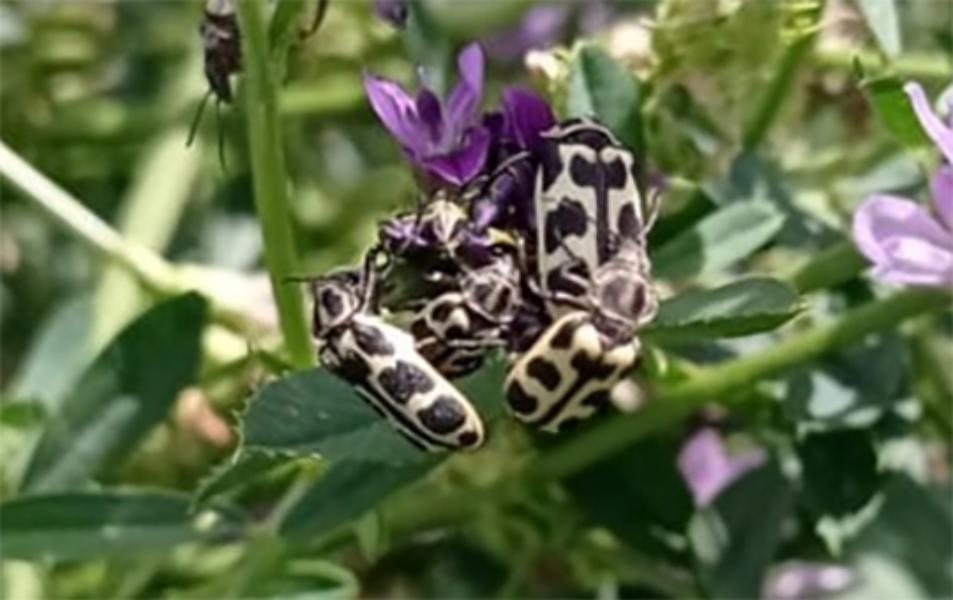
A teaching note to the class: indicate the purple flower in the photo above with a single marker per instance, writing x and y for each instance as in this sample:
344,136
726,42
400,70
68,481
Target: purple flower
708,468
939,132
539,27
444,138
907,244
797,579
525,117
392,11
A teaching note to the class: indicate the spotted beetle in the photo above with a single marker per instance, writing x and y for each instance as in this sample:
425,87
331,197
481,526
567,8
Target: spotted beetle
587,199
382,362
593,275
471,279
577,364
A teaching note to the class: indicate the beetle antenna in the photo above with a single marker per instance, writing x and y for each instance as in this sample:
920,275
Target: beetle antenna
194,127
221,135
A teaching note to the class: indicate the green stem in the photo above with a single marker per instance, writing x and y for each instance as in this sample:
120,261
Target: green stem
925,67
157,275
725,383
773,99
270,184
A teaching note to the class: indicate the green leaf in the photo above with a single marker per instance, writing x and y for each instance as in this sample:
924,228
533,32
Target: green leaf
85,526
283,27
600,87
735,538
347,490
314,412
128,390
737,309
851,388
913,532
238,472
719,240
839,471
642,515
894,110
58,354
884,23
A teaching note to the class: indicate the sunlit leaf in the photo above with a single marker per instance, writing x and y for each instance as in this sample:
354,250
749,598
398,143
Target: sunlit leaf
600,87
894,110
740,308
719,240
884,23
128,390
84,526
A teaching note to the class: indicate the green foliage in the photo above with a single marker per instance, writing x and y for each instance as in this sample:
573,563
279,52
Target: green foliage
601,87
737,309
719,240
127,391
181,458
88,525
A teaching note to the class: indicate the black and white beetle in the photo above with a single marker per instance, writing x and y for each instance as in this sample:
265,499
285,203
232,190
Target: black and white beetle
472,276
587,199
578,363
593,274
382,362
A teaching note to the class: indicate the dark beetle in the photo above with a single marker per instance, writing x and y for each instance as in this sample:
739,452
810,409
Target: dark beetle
222,47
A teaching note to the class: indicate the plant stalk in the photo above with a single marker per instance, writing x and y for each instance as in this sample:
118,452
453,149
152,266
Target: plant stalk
725,383
269,179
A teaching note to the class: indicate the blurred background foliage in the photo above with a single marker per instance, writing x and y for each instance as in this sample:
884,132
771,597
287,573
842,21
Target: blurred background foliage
791,103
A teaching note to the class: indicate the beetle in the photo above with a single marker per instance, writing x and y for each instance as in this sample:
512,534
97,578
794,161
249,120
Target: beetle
577,364
587,200
383,364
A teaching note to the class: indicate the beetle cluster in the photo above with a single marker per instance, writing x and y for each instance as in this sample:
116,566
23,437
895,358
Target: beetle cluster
558,278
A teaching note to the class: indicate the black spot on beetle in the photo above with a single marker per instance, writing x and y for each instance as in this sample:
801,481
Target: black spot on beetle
545,372
590,368
583,173
352,369
331,302
615,173
567,220
468,439
563,337
596,399
371,340
520,402
404,381
628,223
441,312
443,416
550,163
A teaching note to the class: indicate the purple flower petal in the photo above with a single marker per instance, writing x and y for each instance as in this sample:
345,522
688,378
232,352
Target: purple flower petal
913,261
463,164
904,242
882,217
708,468
464,100
526,116
396,110
795,579
941,186
939,132
539,27
430,114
